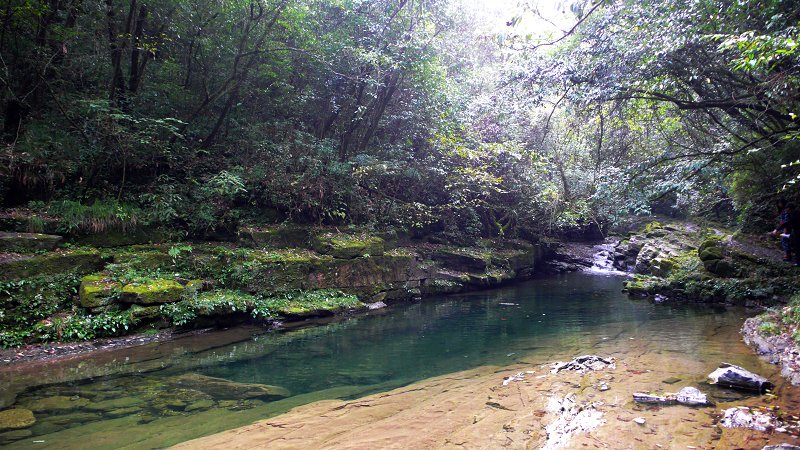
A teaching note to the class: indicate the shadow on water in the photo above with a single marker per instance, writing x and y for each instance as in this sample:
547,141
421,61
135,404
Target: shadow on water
138,400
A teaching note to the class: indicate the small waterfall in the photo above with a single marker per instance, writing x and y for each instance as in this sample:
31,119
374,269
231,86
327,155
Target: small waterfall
603,259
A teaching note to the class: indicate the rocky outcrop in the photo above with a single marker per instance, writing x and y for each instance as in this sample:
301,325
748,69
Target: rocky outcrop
765,335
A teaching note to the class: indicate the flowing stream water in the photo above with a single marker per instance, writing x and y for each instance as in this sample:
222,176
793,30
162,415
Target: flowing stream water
130,397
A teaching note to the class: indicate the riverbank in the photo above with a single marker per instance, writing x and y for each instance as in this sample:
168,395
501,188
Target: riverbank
519,406
58,292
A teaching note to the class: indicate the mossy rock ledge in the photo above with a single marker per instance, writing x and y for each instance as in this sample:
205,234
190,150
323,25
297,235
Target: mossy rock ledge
152,292
77,261
348,246
26,242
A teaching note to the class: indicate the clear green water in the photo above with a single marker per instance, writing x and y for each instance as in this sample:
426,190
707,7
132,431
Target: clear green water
130,399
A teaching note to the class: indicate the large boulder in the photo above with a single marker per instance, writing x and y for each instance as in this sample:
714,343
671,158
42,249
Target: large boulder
220,388
27,242
735,377
152,292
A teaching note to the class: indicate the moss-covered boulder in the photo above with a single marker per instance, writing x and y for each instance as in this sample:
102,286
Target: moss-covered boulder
152,292
275,237
96,291
141,313
713,254
222,389
347,246
28,242
75,261
16,418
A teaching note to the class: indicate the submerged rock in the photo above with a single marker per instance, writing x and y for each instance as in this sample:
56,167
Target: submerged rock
735,377
572,418
220,388
691,396
58,403
16,418
11,436
754,419
688,396
585,363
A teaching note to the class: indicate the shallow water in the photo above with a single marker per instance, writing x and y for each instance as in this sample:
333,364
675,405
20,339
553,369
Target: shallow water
131,399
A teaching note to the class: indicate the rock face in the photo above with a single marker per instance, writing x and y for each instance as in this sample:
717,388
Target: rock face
26,242
736,377
221,389
777,348
15,419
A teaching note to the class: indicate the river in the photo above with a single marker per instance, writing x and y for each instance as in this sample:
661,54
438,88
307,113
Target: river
130,397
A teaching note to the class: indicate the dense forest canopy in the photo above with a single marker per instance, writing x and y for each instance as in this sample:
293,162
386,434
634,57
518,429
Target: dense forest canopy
467,118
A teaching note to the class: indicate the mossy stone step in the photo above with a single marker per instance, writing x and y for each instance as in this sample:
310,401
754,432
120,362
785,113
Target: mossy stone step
347,246
275,237
27,242
96,291
152,292
76,261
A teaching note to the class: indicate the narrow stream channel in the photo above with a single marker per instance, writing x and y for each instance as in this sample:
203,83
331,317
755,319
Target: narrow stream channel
134,398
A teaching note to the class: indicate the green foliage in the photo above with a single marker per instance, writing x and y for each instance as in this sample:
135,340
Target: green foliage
220,302
768,329
97,217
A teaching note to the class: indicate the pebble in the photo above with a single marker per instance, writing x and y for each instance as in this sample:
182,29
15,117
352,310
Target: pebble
639,420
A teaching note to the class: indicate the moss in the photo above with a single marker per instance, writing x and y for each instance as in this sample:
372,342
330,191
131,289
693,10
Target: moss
16,418
27,242
347,246
324,301
275,237
768,329
76,261
118,238
152,292
96,291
